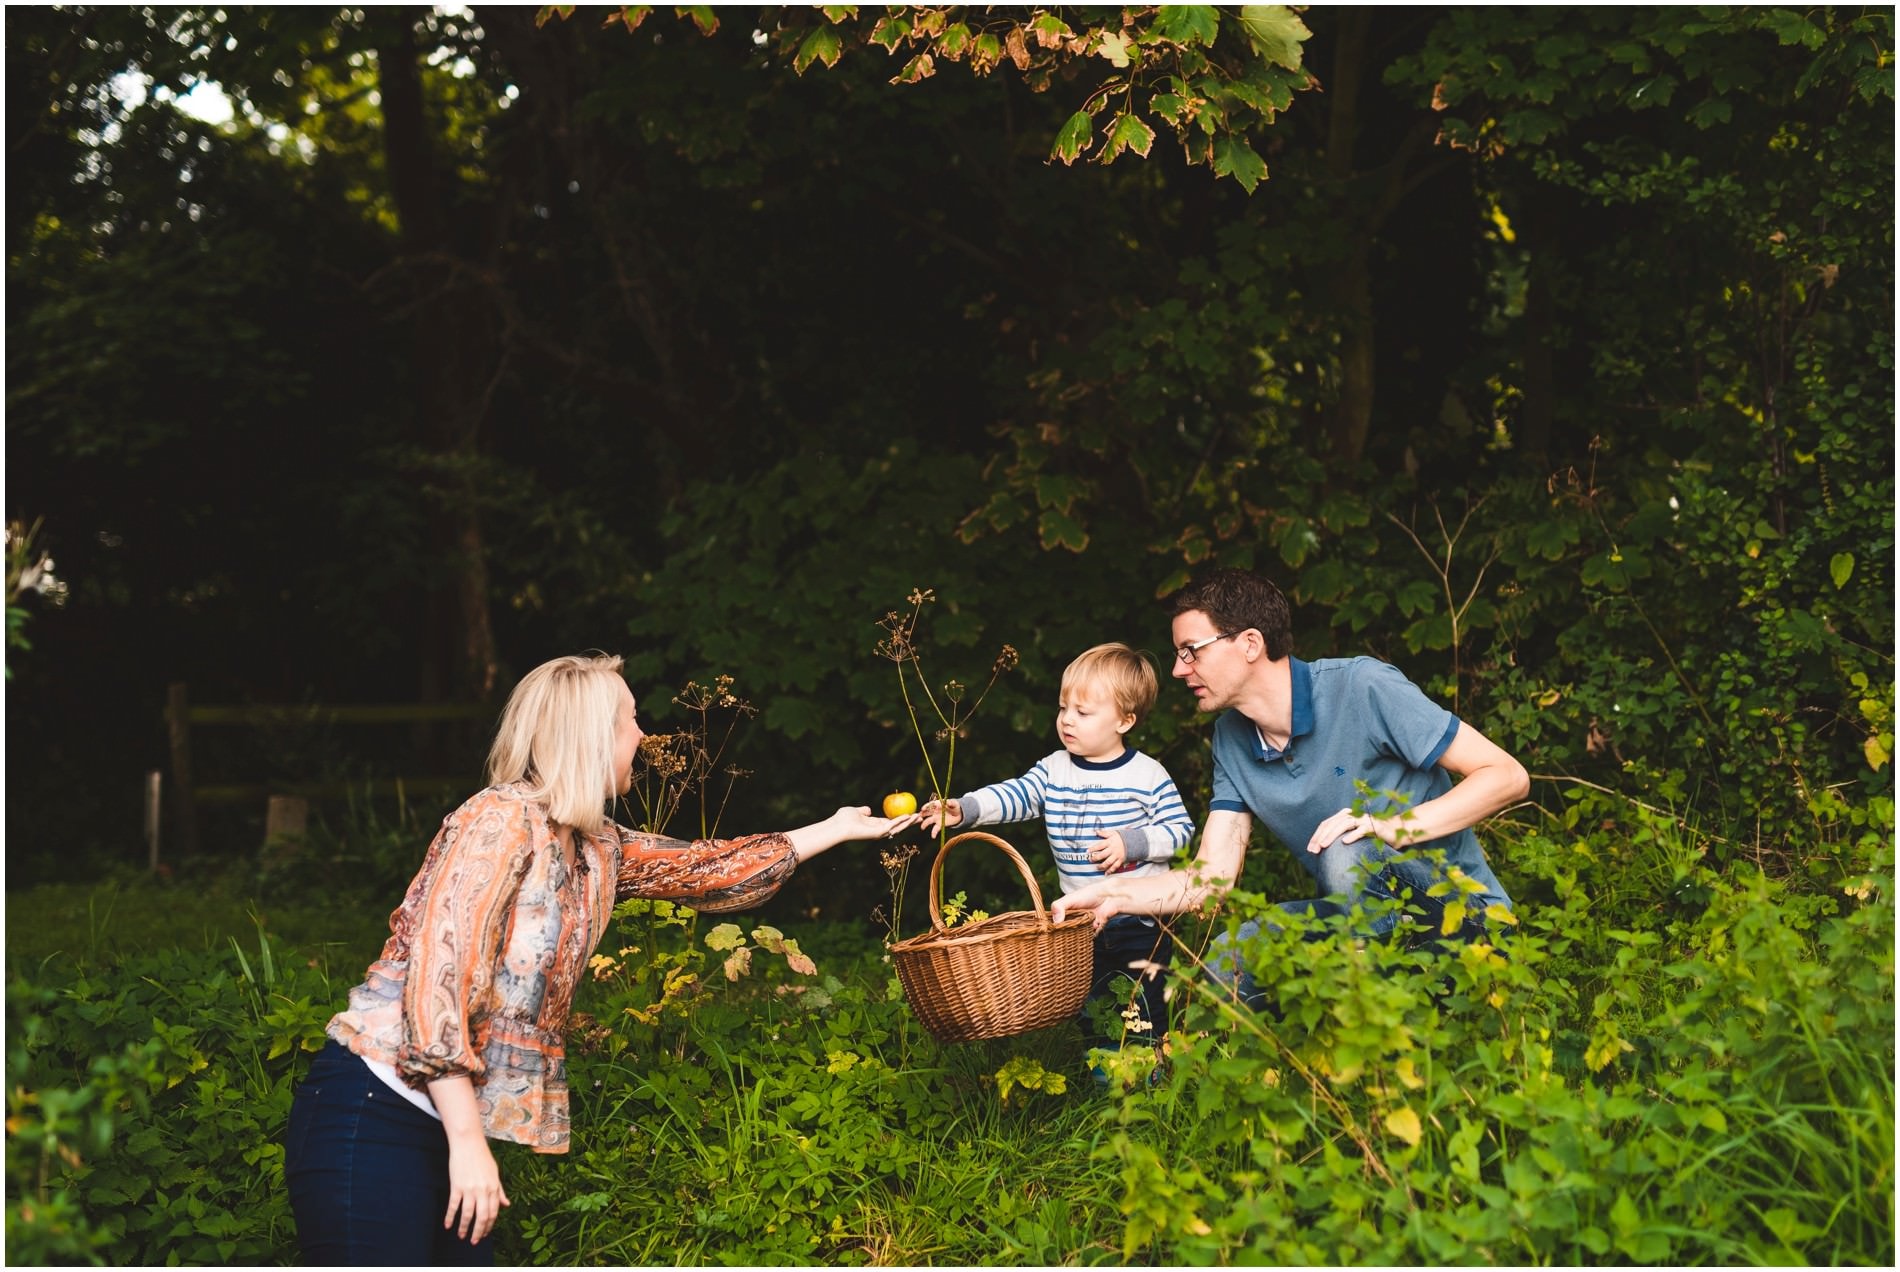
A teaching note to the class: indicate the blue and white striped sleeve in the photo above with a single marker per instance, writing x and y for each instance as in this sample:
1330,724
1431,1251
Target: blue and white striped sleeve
1019,799
1168,828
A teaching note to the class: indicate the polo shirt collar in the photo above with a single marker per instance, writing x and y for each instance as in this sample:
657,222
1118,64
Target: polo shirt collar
1301,676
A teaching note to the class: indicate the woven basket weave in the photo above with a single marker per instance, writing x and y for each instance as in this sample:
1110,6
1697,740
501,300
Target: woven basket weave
998,976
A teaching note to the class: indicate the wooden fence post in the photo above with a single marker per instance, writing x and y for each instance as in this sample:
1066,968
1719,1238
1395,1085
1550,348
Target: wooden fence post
184,803
154,804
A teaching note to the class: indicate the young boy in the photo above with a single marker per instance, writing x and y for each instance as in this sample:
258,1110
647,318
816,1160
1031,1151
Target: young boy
1108,809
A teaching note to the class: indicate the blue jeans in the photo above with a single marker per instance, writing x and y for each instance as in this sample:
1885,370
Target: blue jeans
368,1173
1368,870
1126,939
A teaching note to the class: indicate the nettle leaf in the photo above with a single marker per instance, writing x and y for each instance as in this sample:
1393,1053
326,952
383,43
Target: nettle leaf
1057,529
1235,158
1074,137
1188,23
822,45
1128,133
1276,32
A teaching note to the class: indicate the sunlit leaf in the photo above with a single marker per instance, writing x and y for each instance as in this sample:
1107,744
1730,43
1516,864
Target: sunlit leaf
1276,32
1074,137
1402,1123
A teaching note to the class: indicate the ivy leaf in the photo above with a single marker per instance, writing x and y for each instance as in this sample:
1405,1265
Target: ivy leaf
1402,1123
822,45
1841,568
1074,137
1276,32
1235,158
1128,133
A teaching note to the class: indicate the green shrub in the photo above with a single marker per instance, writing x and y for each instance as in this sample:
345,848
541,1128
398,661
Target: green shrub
1659,1062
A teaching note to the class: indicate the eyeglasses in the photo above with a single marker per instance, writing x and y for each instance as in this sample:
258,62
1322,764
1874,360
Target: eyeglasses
1186,653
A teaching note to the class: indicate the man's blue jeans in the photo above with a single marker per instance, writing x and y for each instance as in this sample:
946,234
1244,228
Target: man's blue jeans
368,1173
1349,875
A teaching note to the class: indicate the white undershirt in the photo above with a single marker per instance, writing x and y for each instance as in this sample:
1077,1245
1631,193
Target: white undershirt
395,1083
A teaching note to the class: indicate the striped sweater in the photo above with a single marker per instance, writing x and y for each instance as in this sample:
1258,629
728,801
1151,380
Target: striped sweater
1076,798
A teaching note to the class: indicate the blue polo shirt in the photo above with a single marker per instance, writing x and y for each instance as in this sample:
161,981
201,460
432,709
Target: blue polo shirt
1354,719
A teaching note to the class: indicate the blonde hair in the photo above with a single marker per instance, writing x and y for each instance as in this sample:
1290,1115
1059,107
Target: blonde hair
1126,676
556,738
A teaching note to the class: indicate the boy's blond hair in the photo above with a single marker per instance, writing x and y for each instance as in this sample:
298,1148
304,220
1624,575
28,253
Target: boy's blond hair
557,738
1128,678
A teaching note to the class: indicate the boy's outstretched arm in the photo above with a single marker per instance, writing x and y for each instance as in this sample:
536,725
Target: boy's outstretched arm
1206,878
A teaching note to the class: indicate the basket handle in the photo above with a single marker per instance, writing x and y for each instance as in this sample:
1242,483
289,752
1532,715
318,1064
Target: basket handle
1022,868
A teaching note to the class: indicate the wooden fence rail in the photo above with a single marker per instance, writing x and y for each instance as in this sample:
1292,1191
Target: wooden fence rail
181,717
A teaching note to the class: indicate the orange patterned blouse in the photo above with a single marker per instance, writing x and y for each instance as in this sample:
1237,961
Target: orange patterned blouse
486,950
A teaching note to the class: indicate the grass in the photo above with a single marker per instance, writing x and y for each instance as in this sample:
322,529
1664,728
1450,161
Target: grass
130,913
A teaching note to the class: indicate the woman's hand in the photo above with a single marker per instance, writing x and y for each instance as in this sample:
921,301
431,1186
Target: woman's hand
475,1193
843,826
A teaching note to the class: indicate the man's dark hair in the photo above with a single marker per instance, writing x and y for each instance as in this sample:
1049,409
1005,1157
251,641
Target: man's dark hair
1236,600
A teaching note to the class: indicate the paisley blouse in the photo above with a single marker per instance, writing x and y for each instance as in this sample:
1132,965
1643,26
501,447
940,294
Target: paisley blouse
489,944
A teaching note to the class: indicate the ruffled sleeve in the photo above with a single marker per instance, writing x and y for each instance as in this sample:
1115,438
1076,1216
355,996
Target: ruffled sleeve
714,875
456,917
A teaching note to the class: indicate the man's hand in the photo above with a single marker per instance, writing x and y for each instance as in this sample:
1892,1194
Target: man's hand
1348,827
1111,854
1096,900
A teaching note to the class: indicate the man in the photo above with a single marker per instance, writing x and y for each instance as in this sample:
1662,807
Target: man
1293,745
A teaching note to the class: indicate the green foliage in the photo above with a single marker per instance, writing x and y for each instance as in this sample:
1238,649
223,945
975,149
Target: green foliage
1169,65
147,1105
1659,1062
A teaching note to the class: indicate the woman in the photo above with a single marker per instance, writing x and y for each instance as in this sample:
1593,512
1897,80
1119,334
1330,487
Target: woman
455,1035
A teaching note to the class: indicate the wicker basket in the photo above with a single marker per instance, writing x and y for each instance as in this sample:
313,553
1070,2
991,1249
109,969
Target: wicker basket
998,976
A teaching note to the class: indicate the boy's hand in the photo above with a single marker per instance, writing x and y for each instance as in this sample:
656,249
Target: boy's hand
940,813
1111,854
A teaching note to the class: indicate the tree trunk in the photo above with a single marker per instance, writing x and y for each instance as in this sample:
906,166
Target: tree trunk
454,357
